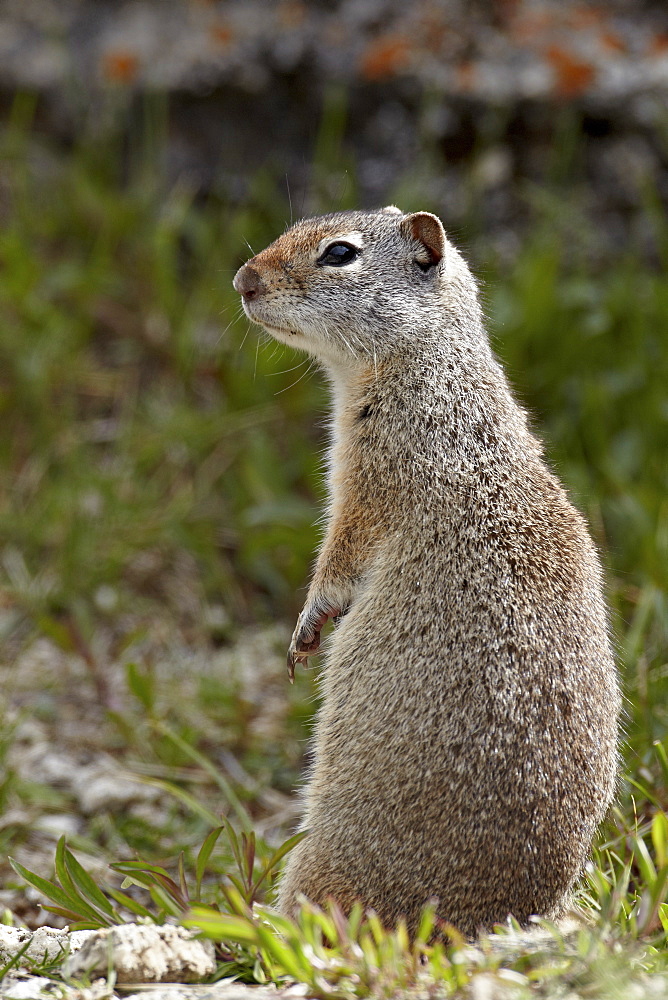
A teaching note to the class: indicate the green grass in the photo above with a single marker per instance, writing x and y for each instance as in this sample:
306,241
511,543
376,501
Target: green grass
161,464
126,394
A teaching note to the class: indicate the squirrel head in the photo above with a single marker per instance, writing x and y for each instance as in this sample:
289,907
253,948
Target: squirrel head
355,286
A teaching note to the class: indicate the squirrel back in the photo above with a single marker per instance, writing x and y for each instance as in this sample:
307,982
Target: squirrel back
466,748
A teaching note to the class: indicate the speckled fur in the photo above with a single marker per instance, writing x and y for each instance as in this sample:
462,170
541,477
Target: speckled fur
466,745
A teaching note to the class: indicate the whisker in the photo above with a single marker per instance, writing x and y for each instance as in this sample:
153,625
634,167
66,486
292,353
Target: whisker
304,172
287,184
308,371
235,319
345,184
248,329
363,348
349,346
238,309
293,369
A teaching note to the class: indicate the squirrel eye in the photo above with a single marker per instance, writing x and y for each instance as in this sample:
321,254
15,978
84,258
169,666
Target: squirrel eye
338,254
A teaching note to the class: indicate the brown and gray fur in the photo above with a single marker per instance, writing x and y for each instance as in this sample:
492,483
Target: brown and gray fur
466,744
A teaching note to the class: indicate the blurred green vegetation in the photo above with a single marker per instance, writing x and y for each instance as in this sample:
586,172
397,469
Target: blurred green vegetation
135,425
150,435
158,457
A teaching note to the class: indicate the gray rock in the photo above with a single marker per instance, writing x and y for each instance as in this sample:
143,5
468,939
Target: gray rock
47,943
104,785
525,52
224,990
143,953
417,81
27,988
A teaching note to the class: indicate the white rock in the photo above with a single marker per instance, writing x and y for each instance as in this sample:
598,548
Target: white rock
26,987
39,763
31,988
226,989
57,824
143,953
45,943
103,785
78,939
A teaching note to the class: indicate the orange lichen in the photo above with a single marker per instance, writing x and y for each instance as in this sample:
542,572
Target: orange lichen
612,41
506,11
572,75
526,26
384,57
221,34
465,74
291,13
659,44
120,66
433,31
585,17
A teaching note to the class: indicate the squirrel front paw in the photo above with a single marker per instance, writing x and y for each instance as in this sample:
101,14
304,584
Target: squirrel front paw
306,636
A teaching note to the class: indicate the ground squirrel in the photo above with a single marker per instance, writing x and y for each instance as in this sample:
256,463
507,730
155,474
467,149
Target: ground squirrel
466,748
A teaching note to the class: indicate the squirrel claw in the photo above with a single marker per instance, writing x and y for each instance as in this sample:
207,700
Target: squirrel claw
299,652
306,638
293,659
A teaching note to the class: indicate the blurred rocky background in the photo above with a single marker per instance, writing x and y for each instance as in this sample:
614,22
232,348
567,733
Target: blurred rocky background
468,106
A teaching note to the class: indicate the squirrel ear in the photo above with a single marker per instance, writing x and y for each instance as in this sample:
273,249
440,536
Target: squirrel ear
391,210
428,230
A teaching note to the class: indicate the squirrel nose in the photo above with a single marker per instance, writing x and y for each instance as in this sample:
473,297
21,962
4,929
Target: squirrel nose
248,283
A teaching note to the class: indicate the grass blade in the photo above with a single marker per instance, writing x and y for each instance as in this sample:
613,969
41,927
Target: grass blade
234,843
222,926
291,960
206,765
277,856
87,886
205,852
54,893
130,904
188,800
77,900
